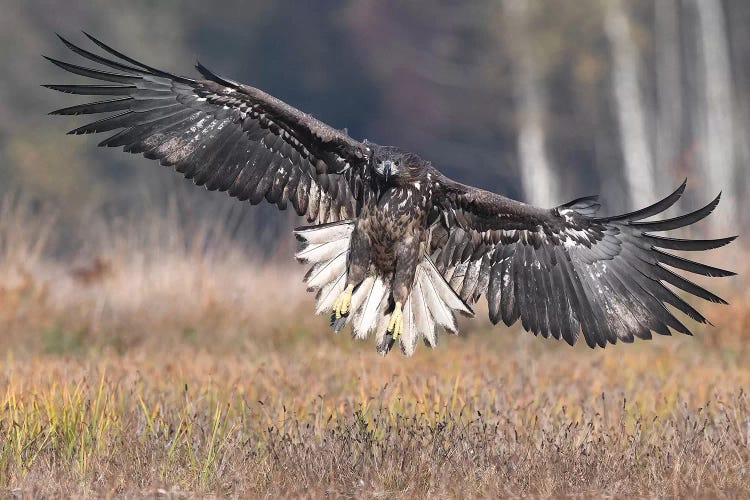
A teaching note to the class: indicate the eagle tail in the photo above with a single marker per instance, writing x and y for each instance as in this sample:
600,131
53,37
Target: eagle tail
326,247
431,304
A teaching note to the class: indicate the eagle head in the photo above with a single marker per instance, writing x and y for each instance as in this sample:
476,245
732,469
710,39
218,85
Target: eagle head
395,166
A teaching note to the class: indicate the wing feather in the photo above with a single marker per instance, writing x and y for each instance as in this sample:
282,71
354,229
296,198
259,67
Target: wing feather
563,271
219,133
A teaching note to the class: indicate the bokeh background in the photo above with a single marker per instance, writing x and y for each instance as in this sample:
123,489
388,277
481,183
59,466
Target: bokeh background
543,101
156,338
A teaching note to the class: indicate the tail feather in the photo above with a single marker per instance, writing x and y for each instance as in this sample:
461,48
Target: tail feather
323,233
444,290
423,320
366,315
410,327
440,311
317,252
329,293
383,342
362,292
323,273
432,302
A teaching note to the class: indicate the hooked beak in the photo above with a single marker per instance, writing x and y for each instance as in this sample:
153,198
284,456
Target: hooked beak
387,170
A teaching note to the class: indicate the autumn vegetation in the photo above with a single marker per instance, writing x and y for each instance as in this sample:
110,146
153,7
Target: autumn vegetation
156,340
149,361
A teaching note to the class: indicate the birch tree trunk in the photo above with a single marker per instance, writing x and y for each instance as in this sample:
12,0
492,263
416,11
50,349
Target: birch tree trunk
736,15
639,171
715,111
537,174
669,91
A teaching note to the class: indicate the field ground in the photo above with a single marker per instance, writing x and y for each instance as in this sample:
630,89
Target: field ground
156,368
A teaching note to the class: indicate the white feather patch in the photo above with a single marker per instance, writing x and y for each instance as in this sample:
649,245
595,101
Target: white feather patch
325,233
440,312
358,300
443,289
318,252
410,333
423,322
329,293
382,325
324,272
432,302
366,318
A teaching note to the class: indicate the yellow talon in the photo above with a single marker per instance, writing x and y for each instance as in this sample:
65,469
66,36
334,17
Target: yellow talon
396,325
344,302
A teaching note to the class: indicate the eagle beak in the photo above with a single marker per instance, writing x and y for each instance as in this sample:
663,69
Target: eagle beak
387,170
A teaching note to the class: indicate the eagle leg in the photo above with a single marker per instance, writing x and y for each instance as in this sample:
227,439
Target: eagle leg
343,303
396,325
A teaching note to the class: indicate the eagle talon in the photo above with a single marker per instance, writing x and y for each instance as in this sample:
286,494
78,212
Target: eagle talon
338,324
385,347
396,325
343,302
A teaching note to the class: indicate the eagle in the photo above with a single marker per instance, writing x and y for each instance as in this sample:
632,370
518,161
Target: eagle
396,249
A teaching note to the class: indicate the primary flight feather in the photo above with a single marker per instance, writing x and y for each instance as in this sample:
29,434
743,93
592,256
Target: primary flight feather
396,248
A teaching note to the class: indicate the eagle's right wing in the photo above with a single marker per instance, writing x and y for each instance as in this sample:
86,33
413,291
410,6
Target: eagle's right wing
562,271
222,134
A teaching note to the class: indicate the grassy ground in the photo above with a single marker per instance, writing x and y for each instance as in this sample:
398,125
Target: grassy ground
148,364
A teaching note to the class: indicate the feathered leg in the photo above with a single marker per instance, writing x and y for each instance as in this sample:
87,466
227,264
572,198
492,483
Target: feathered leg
359,258
407,257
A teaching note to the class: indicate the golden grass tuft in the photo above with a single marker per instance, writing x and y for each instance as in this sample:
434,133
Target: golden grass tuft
152,363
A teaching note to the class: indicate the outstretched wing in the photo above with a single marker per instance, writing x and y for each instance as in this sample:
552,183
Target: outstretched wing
222,134
563,270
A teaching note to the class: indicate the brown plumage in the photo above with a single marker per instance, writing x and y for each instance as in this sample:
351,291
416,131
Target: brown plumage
396,247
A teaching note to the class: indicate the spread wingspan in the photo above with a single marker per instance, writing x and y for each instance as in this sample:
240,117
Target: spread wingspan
559,271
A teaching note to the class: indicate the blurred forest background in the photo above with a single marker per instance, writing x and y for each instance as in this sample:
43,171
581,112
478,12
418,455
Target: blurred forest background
540,100
150,345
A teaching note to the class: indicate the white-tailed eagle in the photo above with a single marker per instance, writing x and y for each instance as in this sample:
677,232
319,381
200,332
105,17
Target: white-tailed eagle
397,248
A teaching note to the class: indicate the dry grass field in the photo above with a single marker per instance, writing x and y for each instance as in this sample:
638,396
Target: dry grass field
147,362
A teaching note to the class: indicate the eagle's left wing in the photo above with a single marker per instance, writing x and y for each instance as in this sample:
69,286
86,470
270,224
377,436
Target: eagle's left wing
563,270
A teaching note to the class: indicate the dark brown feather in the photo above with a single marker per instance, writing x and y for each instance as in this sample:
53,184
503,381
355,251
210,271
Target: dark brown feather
563,269
221,134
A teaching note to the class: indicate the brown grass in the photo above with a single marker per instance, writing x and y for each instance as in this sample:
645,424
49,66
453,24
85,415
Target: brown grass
150,363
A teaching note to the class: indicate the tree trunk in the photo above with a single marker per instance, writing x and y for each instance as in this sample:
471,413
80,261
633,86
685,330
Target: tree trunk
639,171
737,16
669,91
537,175
715,111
